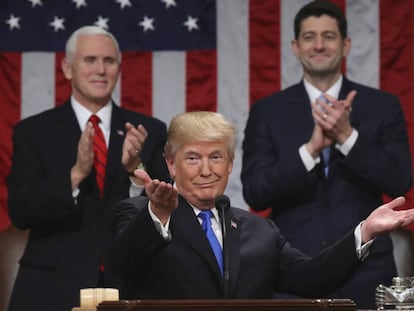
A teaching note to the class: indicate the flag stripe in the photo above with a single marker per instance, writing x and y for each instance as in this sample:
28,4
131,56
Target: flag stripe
201,74
363,60
233,77
136,82
264,48
169,82
38,74
10,77
62,85
396,60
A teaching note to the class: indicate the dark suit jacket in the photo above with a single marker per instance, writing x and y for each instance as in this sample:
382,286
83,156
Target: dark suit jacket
260,260
68,241
313,211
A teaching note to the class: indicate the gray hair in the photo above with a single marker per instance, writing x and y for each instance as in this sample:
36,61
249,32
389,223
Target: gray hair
205,126
87,31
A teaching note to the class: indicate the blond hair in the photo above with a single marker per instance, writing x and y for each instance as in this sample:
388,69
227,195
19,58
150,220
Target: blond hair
199,126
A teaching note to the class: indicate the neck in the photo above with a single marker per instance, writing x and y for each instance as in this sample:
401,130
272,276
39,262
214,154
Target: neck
322,82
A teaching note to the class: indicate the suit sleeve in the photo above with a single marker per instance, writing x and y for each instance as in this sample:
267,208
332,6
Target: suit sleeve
135,239
320,275
381,156
37,194
268,173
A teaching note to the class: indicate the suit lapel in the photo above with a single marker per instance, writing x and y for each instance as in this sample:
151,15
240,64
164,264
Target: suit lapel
233,245
116,141
184,217
69,132
301,111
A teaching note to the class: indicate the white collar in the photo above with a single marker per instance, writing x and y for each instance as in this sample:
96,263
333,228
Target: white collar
314,93
83,114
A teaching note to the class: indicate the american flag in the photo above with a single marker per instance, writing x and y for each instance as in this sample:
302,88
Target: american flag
182,55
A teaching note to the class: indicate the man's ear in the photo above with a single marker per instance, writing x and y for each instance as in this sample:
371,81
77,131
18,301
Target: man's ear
295,48
171,166
347,46
67,68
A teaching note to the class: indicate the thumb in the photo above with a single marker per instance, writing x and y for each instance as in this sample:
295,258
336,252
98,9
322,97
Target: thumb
143,175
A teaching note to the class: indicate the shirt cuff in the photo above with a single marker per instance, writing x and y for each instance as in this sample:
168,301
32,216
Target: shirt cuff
361,250
307,159
75,194
346,147
134,189
163,230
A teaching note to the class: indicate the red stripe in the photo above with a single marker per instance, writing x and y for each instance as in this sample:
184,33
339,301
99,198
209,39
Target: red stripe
264,46
62,85
136,81
201,75
342,5
264,43
396,59
10,98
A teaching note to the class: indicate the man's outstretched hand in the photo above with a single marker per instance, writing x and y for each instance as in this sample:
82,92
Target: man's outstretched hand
386,218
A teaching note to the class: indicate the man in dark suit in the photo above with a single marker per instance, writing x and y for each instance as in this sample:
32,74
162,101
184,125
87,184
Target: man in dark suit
52,185
316,198
161,249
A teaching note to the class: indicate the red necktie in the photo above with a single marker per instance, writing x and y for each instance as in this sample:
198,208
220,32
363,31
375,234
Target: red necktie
100,151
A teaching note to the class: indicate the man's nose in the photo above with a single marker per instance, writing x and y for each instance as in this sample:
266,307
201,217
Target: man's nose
205,168
100,66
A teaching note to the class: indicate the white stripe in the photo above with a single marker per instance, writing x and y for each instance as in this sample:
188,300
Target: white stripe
169,82
38,81
290,66
233,79
116,94
363,28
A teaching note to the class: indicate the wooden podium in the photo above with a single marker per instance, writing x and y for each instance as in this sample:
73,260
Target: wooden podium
230,304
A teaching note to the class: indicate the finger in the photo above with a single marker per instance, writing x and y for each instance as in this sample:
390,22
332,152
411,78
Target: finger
165,189
329,99
322,104
143,175
397,202
141,129
134,151
86,139
350,98
128,126
137,136
320,115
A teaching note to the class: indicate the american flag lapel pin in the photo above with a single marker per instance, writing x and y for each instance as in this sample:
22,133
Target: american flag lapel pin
120,132
233,224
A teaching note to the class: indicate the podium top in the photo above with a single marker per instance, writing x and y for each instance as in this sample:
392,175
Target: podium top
231,304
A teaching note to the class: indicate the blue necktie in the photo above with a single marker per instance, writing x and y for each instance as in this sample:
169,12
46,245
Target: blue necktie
326,152
215,245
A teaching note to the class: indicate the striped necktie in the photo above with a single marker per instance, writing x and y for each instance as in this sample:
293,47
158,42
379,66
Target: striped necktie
100,151
215,245
326,152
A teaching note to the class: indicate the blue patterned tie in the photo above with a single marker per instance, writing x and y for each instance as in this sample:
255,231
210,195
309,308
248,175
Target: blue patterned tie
326,152
215,245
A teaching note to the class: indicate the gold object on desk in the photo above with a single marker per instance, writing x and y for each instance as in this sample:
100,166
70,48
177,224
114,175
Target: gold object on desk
90,298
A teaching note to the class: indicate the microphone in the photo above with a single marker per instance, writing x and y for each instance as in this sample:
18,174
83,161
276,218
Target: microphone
222,204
